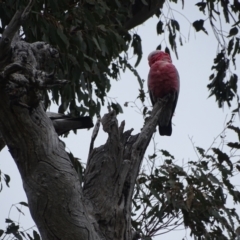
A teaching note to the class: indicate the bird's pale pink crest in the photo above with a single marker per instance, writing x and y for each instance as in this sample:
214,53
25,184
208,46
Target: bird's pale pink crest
158,55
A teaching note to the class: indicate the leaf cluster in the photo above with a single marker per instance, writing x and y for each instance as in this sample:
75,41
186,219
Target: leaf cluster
172,27
194,195
6,178
13,228
223,81
89,36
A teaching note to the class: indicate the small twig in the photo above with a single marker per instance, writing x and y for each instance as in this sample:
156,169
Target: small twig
27,10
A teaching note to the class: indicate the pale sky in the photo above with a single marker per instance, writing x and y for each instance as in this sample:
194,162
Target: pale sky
196,116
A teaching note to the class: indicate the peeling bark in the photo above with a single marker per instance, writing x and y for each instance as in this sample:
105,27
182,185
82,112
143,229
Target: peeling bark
49,179
59,205
111,173
51,183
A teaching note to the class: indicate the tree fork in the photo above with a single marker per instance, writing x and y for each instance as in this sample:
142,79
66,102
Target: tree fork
60,207
111,173
56,200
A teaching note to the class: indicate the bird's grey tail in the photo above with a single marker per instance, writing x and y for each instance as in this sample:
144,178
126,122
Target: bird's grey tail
165,122
165,119
165,130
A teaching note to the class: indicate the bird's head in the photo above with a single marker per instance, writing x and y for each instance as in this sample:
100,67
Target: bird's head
158,55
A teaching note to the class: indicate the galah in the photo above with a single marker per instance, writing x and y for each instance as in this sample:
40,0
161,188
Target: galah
63,123
163,80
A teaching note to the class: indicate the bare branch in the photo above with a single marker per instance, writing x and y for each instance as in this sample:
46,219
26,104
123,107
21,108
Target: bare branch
119,160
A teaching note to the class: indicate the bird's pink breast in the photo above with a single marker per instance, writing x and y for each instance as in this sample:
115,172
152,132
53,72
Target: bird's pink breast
163,79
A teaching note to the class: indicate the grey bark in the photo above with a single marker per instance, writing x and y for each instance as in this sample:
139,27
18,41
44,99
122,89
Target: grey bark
62,124
111,173
59,205
49,179
51,183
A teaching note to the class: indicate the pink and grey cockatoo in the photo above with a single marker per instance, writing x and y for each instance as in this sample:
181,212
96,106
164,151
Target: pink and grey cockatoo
163,79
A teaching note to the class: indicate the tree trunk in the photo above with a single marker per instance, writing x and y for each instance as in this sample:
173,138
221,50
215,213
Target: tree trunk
59,205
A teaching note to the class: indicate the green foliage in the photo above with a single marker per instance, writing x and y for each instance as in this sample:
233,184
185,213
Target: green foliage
173,28
6,179
223,82
137,47
198,25
194,195
13,229
224,90
90,36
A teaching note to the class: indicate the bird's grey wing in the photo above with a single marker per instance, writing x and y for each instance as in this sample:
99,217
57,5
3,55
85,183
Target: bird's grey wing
153,100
